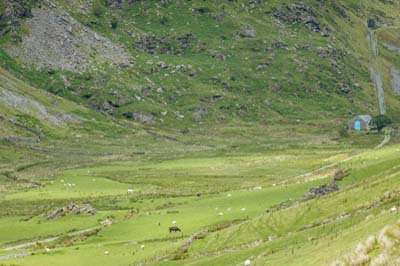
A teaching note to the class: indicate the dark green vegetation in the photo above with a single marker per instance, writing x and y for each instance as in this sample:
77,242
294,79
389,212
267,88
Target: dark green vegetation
214,116
379,122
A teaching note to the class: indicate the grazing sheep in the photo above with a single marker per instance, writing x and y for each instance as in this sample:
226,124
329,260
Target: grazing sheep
247,263
174,229
130,191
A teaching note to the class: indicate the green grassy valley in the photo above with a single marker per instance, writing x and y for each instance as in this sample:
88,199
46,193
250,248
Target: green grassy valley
199,133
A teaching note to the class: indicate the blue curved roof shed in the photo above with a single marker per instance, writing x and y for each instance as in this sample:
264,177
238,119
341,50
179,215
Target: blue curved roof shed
360,122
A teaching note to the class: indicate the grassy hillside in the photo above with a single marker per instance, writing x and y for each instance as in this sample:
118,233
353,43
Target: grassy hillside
195,63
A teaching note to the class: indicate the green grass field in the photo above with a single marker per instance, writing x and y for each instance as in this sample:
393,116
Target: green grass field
251,206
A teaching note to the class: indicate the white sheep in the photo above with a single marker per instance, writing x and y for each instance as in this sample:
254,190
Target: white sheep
247,263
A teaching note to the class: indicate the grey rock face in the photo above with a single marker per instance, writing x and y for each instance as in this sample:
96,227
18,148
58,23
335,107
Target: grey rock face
34,108
56,40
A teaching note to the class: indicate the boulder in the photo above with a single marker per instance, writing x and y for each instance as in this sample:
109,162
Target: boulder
246,32
200,112
104,106
142,117
220,57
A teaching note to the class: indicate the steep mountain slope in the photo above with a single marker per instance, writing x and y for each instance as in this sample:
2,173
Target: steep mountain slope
175,64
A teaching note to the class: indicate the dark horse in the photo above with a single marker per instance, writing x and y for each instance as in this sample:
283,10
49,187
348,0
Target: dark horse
174,229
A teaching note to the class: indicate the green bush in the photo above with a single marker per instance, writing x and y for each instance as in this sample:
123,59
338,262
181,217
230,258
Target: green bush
379,122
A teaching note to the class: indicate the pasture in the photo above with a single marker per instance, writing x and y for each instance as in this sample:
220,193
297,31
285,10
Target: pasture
240,205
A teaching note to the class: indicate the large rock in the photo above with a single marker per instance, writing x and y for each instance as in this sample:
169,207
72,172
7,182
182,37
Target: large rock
247,32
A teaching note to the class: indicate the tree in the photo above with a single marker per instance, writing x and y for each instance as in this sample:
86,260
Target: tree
380,121
114,22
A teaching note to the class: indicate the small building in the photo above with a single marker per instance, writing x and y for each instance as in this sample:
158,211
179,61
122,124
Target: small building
360,122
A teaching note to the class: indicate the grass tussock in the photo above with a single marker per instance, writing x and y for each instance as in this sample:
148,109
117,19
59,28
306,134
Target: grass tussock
380,250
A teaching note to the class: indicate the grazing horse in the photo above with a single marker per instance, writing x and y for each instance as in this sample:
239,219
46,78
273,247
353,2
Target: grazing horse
174,229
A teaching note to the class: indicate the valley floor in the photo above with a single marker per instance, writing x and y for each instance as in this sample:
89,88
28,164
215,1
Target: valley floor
231,205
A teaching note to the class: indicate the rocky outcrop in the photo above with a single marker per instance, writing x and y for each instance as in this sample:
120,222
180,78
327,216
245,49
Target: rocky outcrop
139,116
320,191
298,13
71,209
391,47
56,40
14,10
104,106
395,80
169,44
